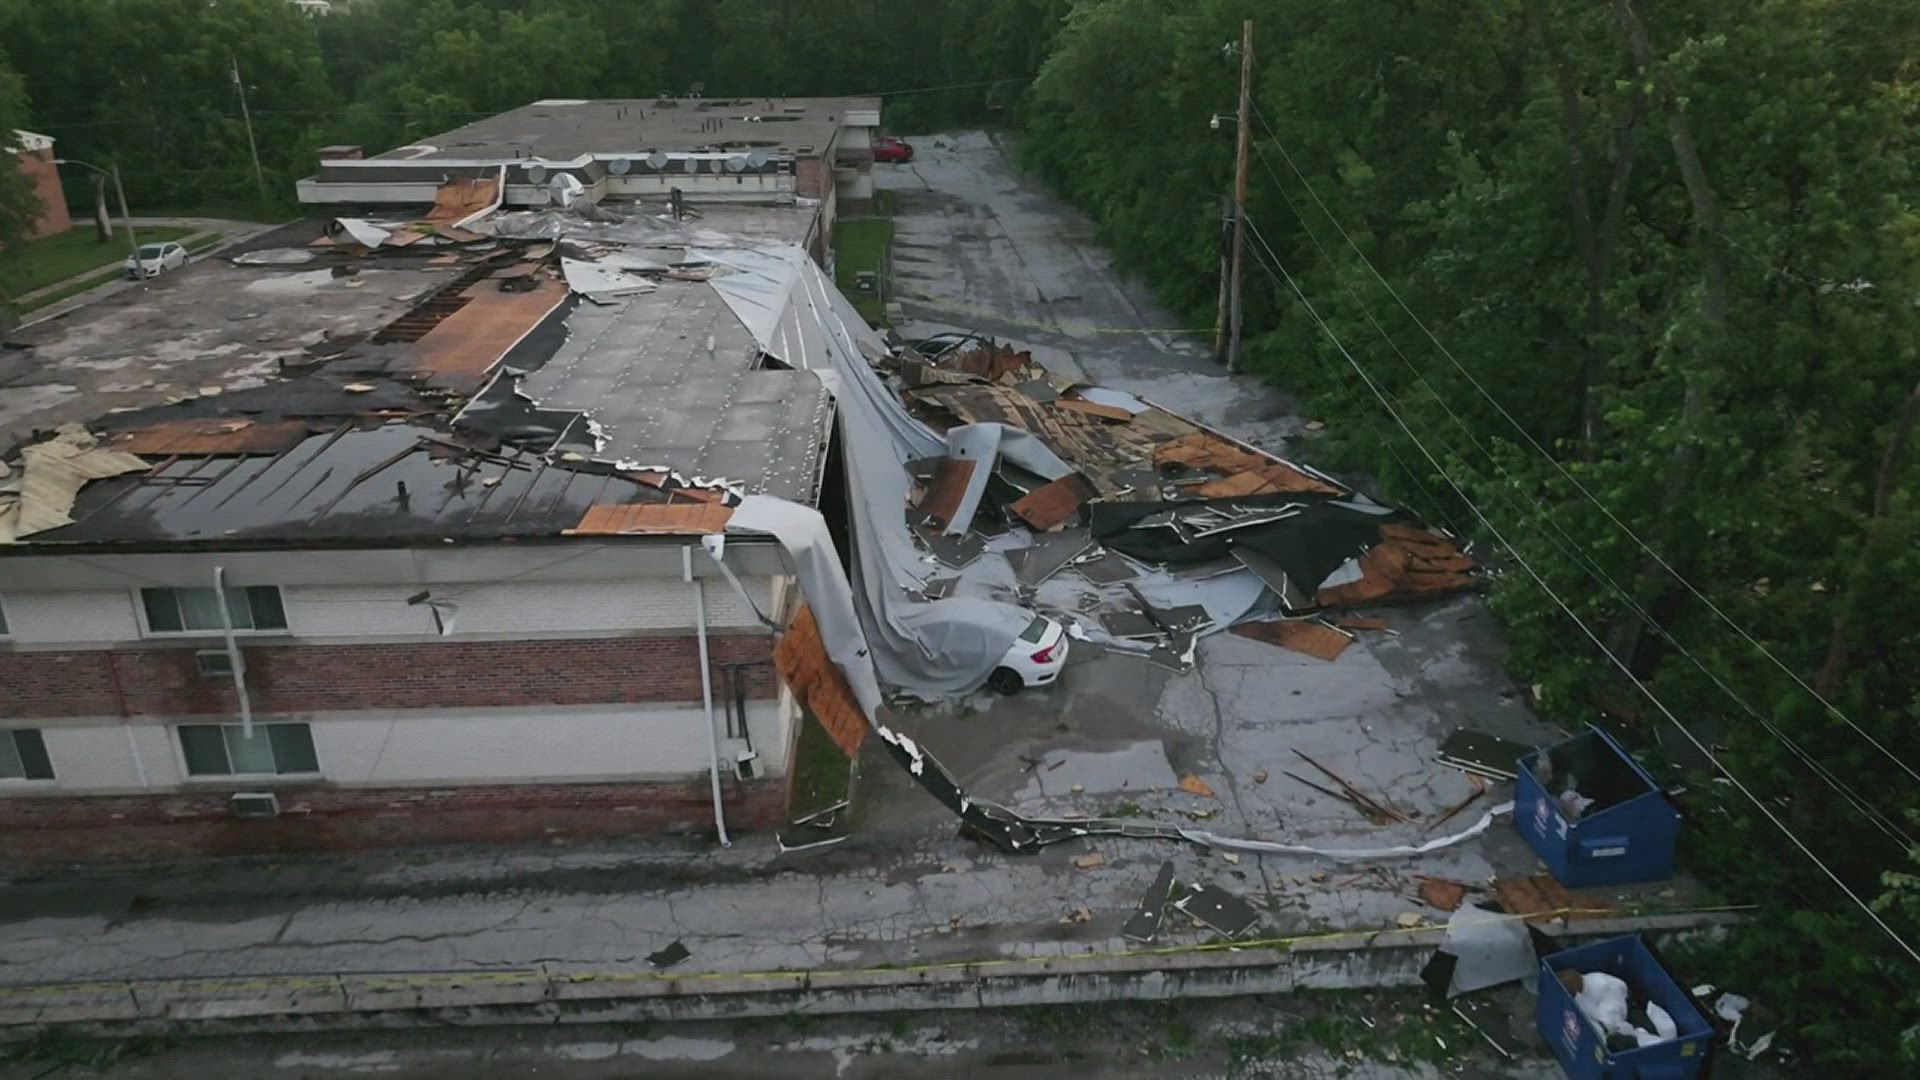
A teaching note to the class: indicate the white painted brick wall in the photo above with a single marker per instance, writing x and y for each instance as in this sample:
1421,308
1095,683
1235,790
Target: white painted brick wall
35,618
583,742
346,612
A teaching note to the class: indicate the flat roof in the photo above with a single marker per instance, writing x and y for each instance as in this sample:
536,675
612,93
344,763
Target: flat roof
453,391
567,129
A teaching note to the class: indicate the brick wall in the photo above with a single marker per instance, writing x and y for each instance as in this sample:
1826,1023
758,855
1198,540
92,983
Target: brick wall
165,681
812,178
318,818
38,167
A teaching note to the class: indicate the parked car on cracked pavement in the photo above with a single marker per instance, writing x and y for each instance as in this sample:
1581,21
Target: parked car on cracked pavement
151,259
1036,658
892,148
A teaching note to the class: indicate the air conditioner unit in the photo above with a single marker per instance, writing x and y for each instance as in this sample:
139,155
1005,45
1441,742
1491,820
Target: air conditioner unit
255,804
746,764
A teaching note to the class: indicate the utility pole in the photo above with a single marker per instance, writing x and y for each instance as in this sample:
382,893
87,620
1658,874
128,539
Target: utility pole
246,116
1240,196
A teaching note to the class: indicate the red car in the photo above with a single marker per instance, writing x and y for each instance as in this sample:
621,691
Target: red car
891,148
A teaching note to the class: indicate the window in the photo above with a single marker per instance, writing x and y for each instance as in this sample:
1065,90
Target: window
23,755
187,611
222,750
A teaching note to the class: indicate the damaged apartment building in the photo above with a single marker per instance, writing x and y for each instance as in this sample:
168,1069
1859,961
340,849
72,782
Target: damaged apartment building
814,155
500,506
388,529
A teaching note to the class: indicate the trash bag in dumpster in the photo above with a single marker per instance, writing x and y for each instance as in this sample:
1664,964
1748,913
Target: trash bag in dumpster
1593,998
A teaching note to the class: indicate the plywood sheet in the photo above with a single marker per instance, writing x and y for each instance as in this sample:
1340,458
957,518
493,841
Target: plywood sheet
462,348
663,519
801,658
946,489
1052,505
210,437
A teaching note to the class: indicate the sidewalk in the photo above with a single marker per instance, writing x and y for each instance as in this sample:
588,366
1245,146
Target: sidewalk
895,919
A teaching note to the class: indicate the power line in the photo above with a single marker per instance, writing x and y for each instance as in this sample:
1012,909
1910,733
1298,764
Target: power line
1570,547
1565,472
1758,803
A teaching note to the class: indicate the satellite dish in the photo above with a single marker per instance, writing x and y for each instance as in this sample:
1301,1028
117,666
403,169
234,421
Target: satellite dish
737,164
567,190
536,173
758,159
692,164
620,166
658,160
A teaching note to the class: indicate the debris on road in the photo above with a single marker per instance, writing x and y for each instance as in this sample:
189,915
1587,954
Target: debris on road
1144,924
670,955
1090,861
1479,789
1310,637
1481,754
1540,898
1218,910
1193,785
1441,893
1372,807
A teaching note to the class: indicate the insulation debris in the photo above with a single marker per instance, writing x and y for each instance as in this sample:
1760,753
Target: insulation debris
53,473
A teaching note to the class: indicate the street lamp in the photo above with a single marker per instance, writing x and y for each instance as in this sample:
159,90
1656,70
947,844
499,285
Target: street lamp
133,242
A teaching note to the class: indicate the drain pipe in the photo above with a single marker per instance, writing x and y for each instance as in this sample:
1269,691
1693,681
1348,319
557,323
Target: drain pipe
706,688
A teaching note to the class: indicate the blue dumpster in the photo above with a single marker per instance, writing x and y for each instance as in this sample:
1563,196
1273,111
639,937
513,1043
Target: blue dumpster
1625,834
1578,1042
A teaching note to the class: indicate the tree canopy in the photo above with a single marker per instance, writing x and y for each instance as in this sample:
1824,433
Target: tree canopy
1659,270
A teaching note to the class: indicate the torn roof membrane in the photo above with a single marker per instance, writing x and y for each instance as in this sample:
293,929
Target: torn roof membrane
492,363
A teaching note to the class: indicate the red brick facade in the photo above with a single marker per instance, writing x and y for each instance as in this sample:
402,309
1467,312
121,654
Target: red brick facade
164,680
38,167
318,818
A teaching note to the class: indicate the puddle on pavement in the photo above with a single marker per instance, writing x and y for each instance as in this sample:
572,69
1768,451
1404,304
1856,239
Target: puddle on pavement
1135,766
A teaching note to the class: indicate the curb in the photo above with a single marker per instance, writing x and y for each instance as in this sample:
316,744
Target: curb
239,1005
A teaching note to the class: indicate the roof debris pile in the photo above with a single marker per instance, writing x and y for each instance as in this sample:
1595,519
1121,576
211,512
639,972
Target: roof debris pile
1163,528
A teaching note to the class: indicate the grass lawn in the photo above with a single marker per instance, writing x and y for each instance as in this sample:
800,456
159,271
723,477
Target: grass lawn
861,243
821,770
39,263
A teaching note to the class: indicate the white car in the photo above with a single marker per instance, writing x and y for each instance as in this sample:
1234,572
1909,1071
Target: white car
153,259
1036,658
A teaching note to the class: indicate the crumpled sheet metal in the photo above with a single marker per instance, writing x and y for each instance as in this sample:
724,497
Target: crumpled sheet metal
925,647
983,444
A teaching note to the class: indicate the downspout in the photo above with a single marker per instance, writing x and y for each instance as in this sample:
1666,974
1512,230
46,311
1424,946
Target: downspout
706,689
234,659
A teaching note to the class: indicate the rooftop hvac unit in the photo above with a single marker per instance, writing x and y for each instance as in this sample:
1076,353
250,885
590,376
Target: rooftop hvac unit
255,804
